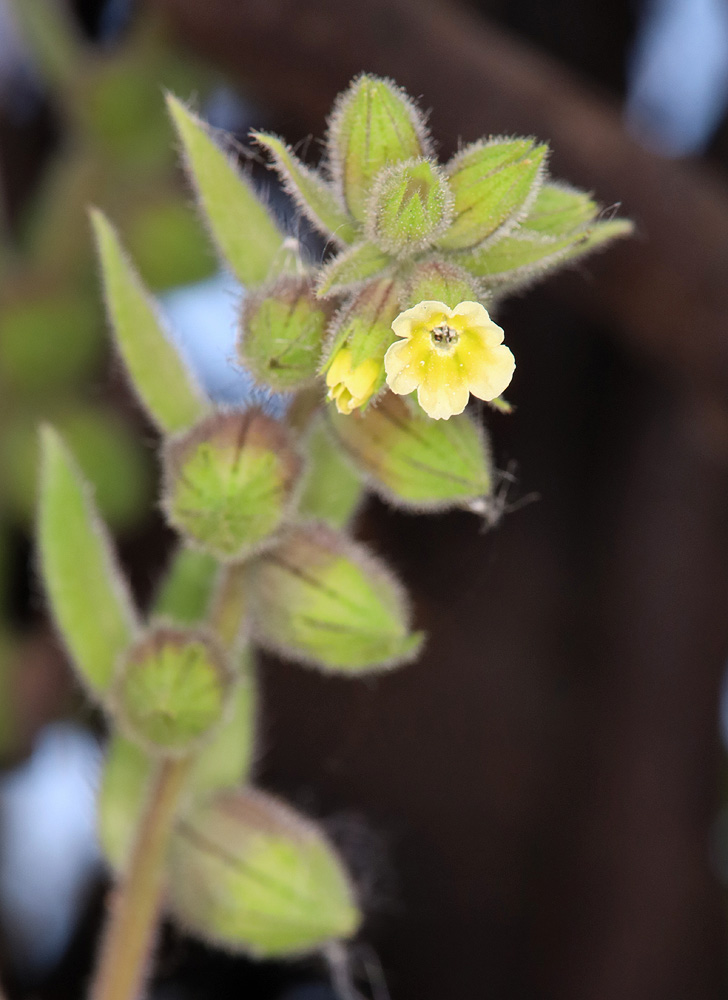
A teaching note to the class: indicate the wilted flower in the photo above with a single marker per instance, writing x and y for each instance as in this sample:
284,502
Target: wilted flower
446,354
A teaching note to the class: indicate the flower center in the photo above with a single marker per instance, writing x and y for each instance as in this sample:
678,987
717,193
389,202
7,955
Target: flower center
443,336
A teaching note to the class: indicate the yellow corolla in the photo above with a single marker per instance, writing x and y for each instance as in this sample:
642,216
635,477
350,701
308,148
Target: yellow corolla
445,354
352,387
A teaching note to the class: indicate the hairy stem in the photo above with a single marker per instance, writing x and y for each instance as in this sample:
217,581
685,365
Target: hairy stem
228,612
132,924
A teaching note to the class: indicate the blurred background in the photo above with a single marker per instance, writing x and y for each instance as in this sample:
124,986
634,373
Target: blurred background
537,808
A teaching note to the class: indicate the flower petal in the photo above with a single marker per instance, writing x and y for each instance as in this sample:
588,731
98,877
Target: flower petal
402,365
488,380
425,314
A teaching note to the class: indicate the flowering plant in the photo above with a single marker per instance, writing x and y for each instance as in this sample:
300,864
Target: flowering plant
419,254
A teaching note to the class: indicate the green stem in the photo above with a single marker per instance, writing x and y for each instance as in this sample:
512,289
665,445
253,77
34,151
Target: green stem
134,915
228,612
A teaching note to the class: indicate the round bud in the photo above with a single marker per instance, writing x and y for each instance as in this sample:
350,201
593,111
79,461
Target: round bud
172,690
230,482
410,206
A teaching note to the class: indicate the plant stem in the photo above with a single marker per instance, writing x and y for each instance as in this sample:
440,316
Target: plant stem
229,606
132,923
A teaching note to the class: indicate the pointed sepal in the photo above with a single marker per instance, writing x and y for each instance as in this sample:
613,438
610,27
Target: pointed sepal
350,268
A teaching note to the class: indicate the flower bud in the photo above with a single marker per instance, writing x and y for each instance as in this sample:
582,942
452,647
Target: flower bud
410,206
355,365
321,599
230,482
172,690
374,124
250,874
415,462
282,333
494,184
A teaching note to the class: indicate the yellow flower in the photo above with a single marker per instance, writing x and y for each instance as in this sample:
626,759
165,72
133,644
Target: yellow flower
446,354
351,387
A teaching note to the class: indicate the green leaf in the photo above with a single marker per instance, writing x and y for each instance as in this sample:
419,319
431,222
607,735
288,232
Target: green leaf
188,586
241,226
412,461
321,599
350,268
88,596
331,489
494,183
313,195
163,382
374,125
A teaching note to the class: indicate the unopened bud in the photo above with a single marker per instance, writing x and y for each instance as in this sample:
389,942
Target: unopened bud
415,462
172,690
230,482
282,333
374,124
321,599
355,365
250,874
410,206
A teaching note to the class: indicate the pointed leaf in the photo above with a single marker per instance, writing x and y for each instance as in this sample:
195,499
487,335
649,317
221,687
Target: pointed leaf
162,381
313,195
559,210
350,268
88,595
241,226
188,587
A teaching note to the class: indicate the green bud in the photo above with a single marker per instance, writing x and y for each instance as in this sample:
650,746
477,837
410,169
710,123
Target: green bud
415,462
312,194
354,363
350,268
224,762
172,690
439,280
494,183
374,124
230,482
322,599
250,874
282,333
410,206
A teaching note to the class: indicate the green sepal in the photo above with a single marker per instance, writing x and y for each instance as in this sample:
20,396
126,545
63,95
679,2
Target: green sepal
525,257
321,599
364,325
313,195
163,382
494,182
560,210
230,482
410,206
374,124
241,226
88,595
331,490
439,280
172,690
251,875
412,461
283,329
187,589
348,269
